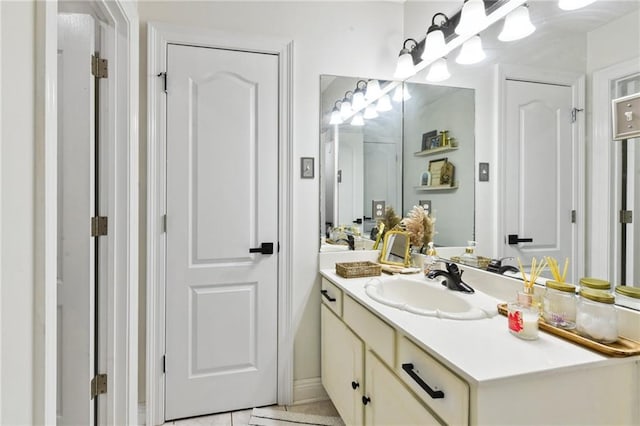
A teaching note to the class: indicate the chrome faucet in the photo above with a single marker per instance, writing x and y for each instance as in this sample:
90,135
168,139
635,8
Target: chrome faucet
452,278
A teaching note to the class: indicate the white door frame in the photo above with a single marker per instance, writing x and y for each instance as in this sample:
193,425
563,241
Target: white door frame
159,36
121,23
577,83
604,245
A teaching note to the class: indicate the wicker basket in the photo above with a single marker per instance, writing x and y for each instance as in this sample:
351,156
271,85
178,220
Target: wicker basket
358,269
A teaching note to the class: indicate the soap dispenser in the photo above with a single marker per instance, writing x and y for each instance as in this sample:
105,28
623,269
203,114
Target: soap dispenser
431,261
469,256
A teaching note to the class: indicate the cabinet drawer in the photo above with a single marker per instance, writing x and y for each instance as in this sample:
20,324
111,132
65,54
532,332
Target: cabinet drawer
449,396
331,296
377,334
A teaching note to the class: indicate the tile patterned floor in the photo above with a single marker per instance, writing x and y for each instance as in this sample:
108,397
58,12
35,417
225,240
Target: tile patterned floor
241,418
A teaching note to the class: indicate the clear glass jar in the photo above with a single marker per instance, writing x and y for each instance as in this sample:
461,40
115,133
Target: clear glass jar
628,296
596,316
595,284
559,304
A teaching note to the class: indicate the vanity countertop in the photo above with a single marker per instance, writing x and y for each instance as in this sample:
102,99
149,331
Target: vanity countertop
480,350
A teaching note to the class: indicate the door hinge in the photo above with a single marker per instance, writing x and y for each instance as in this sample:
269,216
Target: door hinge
98,385
164,363
574,114
163,75
99,226
99,67
626,216
573,216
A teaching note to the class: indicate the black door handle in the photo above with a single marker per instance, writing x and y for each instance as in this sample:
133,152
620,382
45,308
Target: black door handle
358,221
513,239
265,248
325,293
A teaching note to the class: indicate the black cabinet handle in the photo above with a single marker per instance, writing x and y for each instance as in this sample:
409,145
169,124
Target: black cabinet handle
366,400
355,385
325,293
434,394
265,248
514,239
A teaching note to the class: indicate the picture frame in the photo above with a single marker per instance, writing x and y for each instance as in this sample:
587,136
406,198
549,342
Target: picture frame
307,168
435,168
427,139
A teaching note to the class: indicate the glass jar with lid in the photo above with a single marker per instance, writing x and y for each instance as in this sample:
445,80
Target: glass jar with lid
596,316
595,283
628,296
559,304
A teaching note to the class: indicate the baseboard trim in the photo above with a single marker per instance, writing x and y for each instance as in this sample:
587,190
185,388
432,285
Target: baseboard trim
308,390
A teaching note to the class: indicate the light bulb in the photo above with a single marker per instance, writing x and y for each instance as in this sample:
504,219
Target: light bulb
573,4
358,103
384,103
370,112
434,45
471,51
357,120
345,109
517,25
335,116
438,71
472,18
401,93
373,90
405,67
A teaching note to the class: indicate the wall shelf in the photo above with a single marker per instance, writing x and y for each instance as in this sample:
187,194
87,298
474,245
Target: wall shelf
435,188
434,151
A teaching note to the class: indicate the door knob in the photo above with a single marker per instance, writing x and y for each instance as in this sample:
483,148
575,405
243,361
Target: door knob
265,248
514,239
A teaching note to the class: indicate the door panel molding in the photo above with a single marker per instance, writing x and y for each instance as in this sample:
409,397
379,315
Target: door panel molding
577,83
160,35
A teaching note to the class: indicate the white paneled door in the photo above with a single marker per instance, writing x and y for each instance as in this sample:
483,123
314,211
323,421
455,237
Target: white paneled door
539,173
76,197
222,202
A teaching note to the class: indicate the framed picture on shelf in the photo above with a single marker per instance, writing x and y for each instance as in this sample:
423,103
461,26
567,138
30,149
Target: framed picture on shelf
435,168
427,139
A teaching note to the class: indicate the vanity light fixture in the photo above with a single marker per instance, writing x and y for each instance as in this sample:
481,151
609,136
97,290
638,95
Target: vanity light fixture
370,112
472,18
573,4
434,44
438,71
335,114
471,51
357,119
345,107
384,104
373,90
517,25
405,67
401,93
358,102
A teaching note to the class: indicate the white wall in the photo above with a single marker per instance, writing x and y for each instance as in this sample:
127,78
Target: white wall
17,26
342,38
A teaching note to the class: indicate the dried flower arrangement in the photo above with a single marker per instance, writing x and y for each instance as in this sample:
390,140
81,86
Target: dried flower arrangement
391,220
420,226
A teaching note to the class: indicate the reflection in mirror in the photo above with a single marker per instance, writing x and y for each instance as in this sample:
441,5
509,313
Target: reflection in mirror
395,248
368,168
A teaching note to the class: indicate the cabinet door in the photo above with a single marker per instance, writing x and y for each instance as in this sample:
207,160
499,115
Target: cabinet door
389,402
342,367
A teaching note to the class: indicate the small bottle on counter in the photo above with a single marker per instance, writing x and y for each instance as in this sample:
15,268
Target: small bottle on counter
596,316
469,256
559,304
431,259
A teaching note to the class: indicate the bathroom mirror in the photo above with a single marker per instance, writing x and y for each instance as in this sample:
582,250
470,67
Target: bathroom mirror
380,163
395,248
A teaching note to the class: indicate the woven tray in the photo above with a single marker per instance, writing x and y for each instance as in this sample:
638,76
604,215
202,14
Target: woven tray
620,348
357,269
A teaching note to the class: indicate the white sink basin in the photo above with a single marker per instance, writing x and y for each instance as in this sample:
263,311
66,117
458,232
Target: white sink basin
426,297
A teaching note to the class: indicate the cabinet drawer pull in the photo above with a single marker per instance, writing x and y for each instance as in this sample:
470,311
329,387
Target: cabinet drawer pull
434,394
366,400
355,385
325,293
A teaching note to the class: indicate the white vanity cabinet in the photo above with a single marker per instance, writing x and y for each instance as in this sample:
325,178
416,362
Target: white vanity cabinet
357,369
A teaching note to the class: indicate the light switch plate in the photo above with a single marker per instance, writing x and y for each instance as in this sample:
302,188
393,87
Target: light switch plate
626,117
483,172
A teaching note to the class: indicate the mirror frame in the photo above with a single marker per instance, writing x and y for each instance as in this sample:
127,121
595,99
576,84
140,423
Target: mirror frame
388,244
